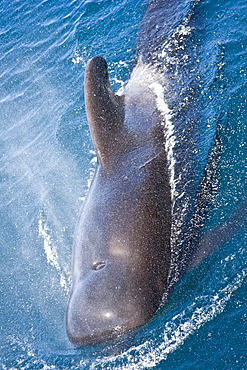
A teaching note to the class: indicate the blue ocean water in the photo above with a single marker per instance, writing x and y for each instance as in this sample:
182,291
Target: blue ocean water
47,163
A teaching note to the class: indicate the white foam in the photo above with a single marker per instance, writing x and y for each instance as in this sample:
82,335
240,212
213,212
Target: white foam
170,139
80,57
51,252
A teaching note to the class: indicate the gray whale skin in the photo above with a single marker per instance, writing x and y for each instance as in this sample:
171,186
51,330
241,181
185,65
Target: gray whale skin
121,251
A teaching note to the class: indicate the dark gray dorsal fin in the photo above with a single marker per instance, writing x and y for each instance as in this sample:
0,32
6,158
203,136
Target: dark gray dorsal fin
105,110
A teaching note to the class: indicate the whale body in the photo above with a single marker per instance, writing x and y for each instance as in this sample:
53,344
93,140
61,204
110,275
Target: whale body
121,251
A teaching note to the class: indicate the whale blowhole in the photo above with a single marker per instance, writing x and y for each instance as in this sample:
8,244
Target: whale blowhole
98,265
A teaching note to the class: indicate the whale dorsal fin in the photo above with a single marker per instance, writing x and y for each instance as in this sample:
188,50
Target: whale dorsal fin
105,110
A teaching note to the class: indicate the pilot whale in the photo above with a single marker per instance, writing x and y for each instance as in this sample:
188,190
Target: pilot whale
121,251
131,245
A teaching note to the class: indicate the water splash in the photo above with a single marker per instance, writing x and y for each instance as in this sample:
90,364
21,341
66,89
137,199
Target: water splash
170,139
51,252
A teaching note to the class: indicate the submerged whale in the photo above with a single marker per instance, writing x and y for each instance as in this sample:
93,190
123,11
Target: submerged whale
121,252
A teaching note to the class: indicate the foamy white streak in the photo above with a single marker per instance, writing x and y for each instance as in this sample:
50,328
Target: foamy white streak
169,132
51,252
